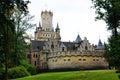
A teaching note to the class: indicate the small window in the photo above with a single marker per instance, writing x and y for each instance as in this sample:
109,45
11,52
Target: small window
63,49
84,59
52,60
34,55
79,59
35,63
97,59
93,59
68,59
56,60
64,59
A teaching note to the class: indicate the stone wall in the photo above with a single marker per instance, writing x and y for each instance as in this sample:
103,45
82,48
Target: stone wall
77,60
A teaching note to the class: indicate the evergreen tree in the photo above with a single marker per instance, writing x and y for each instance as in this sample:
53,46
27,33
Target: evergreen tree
109,11
7,25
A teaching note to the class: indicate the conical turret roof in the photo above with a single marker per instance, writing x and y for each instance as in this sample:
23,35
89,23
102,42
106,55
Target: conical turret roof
100,45
78,39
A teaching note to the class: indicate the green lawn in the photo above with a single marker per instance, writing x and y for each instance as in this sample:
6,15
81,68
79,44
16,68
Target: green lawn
75,75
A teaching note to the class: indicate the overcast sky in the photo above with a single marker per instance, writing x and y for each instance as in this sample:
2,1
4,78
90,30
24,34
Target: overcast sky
74,17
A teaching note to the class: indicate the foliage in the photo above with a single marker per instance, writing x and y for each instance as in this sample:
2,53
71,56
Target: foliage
17,72
2,73
109,11
113,52
7,26
29,67
22,24
75,75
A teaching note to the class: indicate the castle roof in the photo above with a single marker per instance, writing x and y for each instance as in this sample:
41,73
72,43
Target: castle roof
57,28
78,39
62,45
37,45
69,45
100,45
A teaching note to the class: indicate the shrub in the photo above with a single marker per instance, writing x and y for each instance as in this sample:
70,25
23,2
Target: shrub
29,67
2,73
17,72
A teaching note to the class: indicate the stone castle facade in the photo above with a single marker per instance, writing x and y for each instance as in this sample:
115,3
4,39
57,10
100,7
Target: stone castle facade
49,52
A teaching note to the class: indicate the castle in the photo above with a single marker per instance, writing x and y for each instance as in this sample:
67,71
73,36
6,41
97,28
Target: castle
49,52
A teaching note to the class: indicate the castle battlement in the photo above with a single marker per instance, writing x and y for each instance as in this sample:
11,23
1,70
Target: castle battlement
77,53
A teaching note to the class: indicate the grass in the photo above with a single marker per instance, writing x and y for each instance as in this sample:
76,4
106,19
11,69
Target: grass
75,75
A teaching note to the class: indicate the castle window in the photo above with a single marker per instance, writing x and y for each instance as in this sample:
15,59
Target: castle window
35,63
84,59
86,48
63,49
93,59
97,59
79,59
34,55
56,60
68,59
38,47
64,59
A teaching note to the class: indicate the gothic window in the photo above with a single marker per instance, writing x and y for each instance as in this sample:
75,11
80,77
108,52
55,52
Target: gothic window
35,63
86,48
52,46
34,55
63,49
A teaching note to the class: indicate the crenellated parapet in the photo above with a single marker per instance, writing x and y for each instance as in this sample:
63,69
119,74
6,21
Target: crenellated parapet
77,53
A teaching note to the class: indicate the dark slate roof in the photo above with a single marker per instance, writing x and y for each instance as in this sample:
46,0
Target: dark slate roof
78,39
37,45
68,45
100,45
57,28
62,45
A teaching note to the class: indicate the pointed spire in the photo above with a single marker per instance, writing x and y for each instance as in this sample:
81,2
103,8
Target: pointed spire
100,45
57,28
78,39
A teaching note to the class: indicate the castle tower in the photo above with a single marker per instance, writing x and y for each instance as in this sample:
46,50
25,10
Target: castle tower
58,37
45,31
46,18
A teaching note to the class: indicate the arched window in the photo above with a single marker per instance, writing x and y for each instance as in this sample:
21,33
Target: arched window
86,48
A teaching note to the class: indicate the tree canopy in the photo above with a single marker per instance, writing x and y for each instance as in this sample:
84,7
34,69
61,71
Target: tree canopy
109,11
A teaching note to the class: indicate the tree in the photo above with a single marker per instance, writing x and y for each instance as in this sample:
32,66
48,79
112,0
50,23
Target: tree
22,24
109,11
7,27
